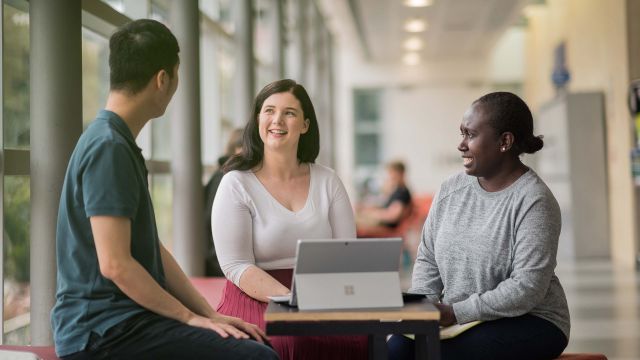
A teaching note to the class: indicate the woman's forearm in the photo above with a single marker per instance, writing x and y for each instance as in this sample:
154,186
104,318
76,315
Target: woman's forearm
256,283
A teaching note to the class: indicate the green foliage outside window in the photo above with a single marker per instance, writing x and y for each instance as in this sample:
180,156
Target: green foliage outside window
16,228
16,192
15,78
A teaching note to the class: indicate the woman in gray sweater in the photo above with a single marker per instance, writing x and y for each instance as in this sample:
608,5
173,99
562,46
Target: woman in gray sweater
488,249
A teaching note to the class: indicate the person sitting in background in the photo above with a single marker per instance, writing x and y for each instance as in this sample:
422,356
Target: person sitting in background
397,205
272,195
234,146
488,248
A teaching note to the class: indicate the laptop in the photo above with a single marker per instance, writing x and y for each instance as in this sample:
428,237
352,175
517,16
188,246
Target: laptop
346,274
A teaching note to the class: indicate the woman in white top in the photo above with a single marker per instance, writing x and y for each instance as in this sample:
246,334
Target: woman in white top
272,195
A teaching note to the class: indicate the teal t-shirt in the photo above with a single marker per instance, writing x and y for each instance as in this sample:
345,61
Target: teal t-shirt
106,176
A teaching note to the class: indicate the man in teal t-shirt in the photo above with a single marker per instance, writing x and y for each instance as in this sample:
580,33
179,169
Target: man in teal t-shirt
120,293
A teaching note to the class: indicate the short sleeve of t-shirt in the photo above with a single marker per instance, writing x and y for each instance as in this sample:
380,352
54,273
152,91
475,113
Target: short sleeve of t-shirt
107,185
401,194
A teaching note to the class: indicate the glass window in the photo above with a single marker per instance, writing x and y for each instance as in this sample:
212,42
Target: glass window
160,127
264,44
367,115
161,138
263,32
162,197
292,47
220,11
16,191
118,5
209,70
95,74
159,11
264,75
367,149
226,57
367,105
16,194
15,77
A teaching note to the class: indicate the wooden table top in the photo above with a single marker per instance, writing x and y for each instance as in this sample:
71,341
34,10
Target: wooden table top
423,310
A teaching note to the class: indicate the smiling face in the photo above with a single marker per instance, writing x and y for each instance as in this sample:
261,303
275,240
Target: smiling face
281,122
480,145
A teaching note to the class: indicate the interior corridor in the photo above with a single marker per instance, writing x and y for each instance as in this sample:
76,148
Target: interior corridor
604,303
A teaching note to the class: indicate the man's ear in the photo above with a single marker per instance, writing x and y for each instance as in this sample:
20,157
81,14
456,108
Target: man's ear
162,79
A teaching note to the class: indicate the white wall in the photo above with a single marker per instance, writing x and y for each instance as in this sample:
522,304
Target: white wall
507,59
421,127
596,49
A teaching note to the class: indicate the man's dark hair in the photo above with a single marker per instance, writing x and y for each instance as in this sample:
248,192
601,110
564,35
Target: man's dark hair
397,166
252,145
138,50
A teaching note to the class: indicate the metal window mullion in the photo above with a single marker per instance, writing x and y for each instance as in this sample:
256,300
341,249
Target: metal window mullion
278,45
331,87
2,176
109,18
217,28
56,124
186,163
244,77
158,167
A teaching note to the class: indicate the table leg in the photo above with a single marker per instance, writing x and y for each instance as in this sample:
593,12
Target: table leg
421,347
378,347
433,342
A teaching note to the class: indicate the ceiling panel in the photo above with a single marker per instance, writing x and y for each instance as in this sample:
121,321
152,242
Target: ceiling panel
457,28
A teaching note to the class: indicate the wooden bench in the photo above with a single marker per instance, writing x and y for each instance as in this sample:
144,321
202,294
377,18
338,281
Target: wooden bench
211,288
568,356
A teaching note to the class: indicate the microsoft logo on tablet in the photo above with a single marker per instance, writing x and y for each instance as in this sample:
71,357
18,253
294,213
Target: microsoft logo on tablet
349,290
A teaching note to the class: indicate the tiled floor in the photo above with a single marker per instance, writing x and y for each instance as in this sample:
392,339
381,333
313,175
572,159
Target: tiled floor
604,303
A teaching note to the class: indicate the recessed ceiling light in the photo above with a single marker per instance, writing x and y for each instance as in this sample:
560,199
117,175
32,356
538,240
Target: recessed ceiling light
415,25
418,3
413,43
411,58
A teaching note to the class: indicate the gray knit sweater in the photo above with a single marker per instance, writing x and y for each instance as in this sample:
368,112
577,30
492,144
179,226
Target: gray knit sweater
493,254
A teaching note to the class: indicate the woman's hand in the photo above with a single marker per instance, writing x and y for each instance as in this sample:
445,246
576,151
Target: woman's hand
447,316
228,325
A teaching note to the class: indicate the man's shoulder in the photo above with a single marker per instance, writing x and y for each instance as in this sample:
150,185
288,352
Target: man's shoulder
101,131
101,137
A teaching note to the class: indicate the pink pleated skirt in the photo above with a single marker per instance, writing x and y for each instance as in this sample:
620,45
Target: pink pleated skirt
236,303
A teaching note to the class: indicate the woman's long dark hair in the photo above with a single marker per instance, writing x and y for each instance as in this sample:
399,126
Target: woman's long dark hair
252,145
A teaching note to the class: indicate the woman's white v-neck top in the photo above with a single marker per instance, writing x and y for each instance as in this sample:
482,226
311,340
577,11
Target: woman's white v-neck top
250,227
